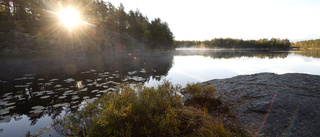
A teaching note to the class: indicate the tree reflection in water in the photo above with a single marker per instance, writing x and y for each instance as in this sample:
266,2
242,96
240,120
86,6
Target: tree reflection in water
228,54
38,87
46,87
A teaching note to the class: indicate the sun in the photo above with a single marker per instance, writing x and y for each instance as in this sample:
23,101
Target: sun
70,17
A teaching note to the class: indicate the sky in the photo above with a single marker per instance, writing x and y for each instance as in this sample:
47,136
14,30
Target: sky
241,19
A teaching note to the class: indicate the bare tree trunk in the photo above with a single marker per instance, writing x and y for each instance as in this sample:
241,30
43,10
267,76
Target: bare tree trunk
16,10
7,7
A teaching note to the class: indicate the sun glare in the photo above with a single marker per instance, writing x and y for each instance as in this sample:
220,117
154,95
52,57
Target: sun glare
70,17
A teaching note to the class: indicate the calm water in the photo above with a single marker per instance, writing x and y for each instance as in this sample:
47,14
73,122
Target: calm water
33,91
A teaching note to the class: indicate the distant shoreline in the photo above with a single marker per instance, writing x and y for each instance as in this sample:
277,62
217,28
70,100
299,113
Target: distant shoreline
248,49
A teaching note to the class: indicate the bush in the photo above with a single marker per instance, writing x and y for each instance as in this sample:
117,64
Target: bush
202,96
199,91
133,111
142,111
197,122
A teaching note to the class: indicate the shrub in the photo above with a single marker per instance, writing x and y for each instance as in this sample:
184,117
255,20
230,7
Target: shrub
133,111
143,111
202,96
199,91
197,122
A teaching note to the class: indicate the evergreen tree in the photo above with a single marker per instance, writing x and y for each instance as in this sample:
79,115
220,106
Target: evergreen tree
102,15
161,36
121,19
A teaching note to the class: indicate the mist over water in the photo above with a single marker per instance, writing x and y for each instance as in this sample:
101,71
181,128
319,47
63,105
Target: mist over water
35,90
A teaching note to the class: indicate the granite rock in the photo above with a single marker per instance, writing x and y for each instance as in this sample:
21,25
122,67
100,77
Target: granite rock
269,104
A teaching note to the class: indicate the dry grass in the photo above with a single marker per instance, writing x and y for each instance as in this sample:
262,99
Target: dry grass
204,115
196,122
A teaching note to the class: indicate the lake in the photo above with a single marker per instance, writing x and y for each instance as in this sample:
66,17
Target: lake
35,90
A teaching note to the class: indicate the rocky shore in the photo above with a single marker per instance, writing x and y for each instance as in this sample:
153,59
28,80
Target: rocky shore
269,104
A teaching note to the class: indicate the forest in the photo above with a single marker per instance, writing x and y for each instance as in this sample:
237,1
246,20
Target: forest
307,44
102,19
273,43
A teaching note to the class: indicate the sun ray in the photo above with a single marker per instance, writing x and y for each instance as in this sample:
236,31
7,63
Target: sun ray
70,17
70,28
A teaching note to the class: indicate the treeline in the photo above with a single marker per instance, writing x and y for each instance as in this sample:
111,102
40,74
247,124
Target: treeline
228,54
237,43
307,44
103,15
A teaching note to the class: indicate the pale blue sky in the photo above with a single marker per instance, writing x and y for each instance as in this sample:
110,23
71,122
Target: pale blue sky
246,19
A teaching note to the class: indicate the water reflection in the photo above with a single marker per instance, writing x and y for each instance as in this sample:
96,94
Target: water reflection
308,53
203,65
228,54
44,87
39,88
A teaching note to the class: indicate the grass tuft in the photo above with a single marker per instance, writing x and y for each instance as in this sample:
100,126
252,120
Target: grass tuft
202,97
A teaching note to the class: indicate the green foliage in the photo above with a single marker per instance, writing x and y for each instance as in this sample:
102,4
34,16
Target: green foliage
3,14
187,43
38,15
156,33
143,111
199,91
197,122
138,26
196,114
307,44
273,43
202,96
161,36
